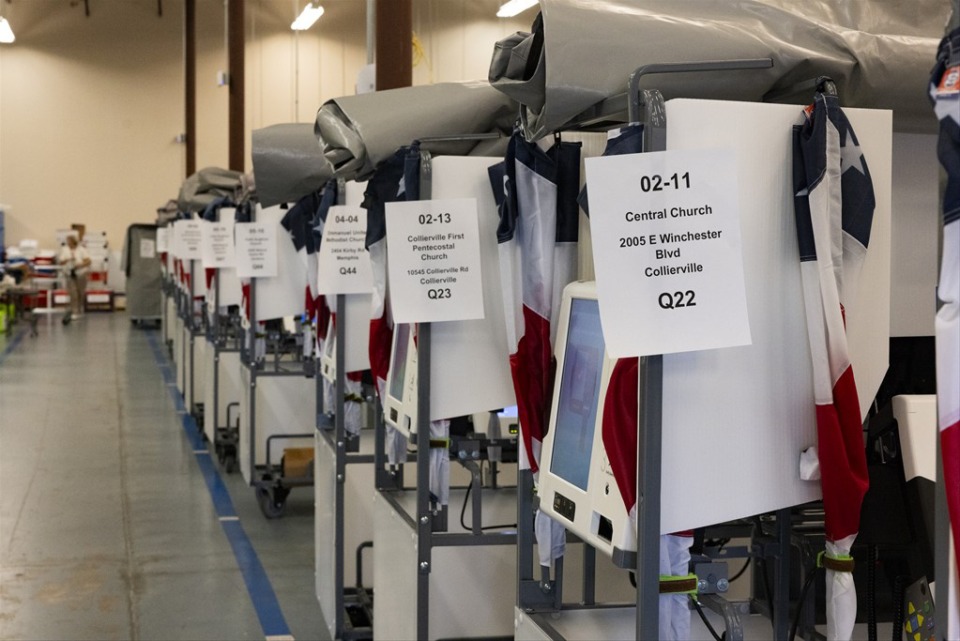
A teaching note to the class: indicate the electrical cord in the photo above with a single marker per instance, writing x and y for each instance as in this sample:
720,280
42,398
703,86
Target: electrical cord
766,580
717,543
766,588
898,589
706,622
741,571
811,575
463,512
872,593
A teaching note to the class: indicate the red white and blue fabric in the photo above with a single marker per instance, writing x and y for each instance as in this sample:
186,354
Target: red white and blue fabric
316,208
945,95
299,224
383,187
320,310
536,195
244,214
834,204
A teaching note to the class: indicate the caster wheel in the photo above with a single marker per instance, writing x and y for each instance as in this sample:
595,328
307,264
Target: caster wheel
271,502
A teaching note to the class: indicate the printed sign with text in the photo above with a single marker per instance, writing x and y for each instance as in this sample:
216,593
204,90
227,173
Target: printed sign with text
433,260
190,239
175,234
667,253
218,246
163,239
343,263
256,250
148,248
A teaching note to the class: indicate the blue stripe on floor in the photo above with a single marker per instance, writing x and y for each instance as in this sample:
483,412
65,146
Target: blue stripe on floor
12,345
258,584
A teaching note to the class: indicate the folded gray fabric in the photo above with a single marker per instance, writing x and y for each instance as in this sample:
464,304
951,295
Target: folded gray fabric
288,163
205,186
359,132
582,51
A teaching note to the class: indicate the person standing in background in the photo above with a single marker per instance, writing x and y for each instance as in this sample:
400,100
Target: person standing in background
76,264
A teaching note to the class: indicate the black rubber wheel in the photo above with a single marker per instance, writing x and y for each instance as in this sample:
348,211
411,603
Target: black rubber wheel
271,503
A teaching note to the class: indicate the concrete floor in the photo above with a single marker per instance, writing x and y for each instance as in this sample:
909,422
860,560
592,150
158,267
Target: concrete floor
107,529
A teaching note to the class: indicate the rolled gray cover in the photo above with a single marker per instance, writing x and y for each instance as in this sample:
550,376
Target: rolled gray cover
288,163
205,186
877,52
358,132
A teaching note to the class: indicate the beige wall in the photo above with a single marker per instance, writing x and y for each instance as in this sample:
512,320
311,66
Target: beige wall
458,36
90,107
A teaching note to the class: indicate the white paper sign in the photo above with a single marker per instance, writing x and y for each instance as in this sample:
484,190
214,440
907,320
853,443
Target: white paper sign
190,238
433,261
175,233
163,239
148,248
667,252
256,250
218,248
343,263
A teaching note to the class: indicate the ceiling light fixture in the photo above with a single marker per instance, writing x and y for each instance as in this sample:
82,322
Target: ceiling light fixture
6,33
513,7
307,17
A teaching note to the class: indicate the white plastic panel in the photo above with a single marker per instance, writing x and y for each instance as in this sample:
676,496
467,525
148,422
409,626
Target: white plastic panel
284,294
472,589
394,574
357,527
170,318
231,292
917,419
354,195
470,368
738,418
199,277
284,405
207,367
324,528
195,392
228,389
180,354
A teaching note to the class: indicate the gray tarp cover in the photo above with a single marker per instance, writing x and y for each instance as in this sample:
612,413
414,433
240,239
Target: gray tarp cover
879,52
205,186
287,163
358,132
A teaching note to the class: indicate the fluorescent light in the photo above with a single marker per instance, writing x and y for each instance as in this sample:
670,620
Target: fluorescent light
513,7
6,33
307,17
